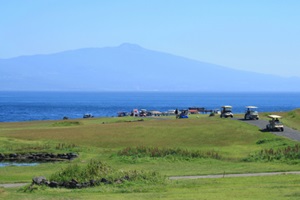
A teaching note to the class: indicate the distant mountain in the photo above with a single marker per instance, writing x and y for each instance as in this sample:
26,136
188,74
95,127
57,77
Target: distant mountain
129,67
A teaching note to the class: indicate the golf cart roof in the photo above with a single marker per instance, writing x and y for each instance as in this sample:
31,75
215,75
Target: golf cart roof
274,116
251,107
226,106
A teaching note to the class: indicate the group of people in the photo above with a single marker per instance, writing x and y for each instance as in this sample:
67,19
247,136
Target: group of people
182,114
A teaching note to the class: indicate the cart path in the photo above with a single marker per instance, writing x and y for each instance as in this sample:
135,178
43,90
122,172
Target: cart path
288,132
234,175
13,185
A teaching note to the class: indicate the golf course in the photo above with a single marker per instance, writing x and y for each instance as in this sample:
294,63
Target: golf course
136,158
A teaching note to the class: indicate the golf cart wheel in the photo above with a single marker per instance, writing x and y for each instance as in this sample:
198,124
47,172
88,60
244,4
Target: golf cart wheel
282,129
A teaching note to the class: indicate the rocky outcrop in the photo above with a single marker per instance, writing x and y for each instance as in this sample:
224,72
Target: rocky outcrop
36,157
39,180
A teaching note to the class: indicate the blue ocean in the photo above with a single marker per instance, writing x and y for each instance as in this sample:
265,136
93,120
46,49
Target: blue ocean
28,106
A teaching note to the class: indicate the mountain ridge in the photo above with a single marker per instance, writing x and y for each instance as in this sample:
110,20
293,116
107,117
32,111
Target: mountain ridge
130,67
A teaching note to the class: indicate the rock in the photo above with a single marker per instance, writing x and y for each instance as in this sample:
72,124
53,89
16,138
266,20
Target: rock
13,155
71,156
64,184
72,184
93,182
126,178
74,181
53,184
39,180
37,157
118,181
104,180
86,184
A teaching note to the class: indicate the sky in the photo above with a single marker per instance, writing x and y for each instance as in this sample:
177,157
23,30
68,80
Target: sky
253,35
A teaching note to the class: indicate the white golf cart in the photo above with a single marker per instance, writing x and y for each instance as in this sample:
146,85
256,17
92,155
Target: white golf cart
226,111
274,123
251,113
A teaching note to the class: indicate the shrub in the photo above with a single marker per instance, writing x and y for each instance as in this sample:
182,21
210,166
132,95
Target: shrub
93,170
63,146
97,171
72,171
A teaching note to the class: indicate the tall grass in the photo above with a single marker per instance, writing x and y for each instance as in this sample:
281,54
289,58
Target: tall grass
66,123
281,154
93,170
155,152
292,119
98,171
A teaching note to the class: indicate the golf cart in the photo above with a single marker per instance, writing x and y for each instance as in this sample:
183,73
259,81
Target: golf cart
123,114
226,112
88,115
274,123
251,113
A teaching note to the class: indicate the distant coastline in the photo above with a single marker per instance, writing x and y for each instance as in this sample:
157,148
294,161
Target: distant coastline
28,106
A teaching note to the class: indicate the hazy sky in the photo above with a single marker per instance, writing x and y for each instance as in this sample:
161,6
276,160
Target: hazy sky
252,35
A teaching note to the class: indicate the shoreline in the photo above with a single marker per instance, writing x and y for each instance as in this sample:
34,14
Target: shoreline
103,117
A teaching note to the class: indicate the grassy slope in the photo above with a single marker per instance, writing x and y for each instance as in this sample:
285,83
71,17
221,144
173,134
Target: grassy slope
259,188
100,138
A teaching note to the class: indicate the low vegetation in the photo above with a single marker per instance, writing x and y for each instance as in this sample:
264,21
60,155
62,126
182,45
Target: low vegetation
66,123
292,119
99,172
155,152
136,155
288,154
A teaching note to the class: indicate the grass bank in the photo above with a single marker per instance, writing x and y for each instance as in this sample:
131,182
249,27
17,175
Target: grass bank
261,188
103,138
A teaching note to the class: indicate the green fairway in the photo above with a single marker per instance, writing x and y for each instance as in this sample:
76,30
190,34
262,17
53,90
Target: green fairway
102,138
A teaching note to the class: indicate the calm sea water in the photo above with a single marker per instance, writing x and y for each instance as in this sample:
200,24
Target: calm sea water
6,164
27,106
